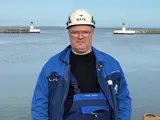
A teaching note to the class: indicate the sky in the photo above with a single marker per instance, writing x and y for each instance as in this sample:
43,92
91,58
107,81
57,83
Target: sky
107,13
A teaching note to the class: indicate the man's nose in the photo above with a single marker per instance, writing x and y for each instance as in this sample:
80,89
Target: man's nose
80,36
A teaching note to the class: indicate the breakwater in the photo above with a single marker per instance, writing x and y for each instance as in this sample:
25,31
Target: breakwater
18,31
147,31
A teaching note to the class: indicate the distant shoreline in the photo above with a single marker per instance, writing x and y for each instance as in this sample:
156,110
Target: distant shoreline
133,28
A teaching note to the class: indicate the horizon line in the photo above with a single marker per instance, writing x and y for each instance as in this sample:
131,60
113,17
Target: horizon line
65,27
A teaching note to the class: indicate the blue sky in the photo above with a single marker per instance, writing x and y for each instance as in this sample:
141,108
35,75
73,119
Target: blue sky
108,13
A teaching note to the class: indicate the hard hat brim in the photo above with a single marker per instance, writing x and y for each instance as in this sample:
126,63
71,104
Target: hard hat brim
71,25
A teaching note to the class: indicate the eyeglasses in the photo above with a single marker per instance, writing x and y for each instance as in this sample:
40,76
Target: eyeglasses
83,33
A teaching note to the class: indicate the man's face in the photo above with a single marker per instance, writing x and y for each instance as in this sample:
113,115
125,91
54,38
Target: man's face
81,38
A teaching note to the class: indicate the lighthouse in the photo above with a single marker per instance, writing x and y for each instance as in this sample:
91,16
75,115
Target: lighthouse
33,29
124,30
31,25
123,27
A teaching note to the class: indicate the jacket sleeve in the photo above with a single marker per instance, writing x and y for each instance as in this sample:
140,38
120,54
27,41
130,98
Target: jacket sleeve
39,107
124,99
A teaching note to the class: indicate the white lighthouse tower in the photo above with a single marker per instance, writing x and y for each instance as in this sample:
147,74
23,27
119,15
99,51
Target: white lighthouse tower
33,29
123,27
31,26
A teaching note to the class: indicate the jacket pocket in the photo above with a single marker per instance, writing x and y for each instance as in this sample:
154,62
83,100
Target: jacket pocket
93,109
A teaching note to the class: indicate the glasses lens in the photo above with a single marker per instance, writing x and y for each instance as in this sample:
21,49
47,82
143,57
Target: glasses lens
83,33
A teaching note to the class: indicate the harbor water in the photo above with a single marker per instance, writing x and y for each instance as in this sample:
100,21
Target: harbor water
23,55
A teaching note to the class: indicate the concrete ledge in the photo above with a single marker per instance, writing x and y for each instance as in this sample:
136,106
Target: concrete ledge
17,31
147,31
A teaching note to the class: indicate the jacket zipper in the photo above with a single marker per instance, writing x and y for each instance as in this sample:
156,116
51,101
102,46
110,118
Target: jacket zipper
66,91
99,67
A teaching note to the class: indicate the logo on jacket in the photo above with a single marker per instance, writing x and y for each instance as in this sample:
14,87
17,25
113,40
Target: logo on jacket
53,77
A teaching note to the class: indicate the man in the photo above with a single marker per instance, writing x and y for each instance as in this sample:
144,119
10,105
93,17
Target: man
81,82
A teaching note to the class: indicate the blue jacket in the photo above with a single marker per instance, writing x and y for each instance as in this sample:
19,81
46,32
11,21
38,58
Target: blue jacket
54,80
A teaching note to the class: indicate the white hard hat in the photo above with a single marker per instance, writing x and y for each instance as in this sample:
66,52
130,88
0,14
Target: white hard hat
80,17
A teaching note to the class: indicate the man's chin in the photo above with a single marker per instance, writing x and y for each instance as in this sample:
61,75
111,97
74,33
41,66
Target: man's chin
81,50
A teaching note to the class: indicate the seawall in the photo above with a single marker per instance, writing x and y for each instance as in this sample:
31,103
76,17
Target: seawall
17,31
147,31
